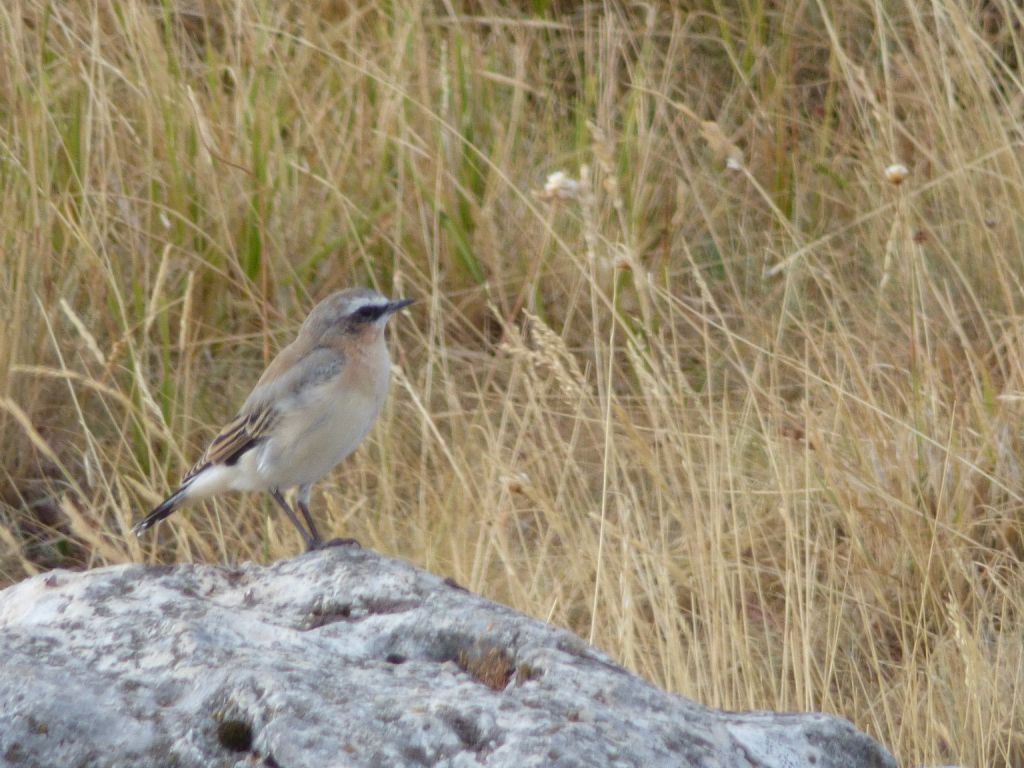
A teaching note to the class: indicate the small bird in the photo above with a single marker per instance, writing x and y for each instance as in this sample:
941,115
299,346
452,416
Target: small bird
310,409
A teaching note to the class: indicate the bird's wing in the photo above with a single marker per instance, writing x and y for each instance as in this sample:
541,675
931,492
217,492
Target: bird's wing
294,371
244,433
291,372
256,417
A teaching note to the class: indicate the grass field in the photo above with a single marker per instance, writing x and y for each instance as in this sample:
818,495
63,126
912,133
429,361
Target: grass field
728,401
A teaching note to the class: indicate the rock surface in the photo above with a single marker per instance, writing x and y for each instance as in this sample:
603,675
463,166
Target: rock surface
344,658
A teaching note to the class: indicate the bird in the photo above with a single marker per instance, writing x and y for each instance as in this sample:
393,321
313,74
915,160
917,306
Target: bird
311,408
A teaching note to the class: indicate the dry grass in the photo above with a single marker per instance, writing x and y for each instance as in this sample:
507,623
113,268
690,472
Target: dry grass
742,412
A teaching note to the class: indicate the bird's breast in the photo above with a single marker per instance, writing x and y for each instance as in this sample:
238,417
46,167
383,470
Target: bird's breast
328,422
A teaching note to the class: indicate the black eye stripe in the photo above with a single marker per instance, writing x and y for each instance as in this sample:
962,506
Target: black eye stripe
370,312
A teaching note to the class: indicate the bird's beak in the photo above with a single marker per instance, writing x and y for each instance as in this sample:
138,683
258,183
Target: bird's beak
394,306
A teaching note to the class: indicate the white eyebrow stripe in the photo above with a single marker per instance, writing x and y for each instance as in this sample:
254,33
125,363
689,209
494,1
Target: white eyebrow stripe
368,301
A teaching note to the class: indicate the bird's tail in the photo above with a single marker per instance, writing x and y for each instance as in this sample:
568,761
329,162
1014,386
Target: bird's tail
167,506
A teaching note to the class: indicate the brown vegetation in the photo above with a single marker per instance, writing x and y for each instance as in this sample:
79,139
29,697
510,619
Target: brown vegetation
725,399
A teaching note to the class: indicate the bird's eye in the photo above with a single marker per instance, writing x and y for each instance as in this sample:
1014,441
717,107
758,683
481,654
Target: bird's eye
368,312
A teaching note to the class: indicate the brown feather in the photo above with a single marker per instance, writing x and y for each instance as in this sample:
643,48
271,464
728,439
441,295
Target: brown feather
243,434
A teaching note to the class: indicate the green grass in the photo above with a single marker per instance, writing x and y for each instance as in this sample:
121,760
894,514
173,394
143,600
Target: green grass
742,412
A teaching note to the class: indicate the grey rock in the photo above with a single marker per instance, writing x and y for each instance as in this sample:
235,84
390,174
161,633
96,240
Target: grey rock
344,658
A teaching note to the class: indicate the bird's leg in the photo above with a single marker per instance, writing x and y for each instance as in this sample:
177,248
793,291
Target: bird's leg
312,541
303,501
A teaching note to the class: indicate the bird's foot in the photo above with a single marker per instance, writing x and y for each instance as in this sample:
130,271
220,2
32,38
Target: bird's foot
330,543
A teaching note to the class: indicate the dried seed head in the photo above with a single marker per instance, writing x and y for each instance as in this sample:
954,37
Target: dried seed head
896,173
560,186
721,146
515,483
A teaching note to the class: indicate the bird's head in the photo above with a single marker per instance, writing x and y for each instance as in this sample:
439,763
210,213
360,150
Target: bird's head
351,312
